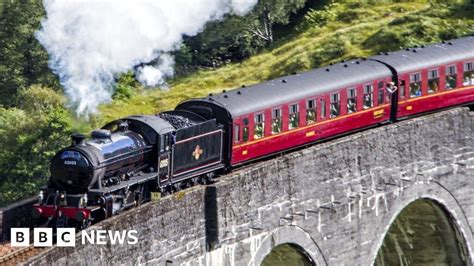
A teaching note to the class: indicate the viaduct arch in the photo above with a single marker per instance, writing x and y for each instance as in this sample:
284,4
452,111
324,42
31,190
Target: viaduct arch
336,200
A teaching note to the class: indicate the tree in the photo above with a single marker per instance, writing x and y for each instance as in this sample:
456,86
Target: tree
235,38
29,137
23,61
266,13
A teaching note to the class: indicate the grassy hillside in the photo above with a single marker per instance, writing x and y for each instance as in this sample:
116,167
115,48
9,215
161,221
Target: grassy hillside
341,31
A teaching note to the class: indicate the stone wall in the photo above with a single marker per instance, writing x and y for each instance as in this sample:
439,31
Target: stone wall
336,200
17,214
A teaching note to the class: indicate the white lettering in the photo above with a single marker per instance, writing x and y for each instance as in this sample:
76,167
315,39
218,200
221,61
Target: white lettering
132,237
20,237
101,237
43,237
117,235
90,238
66,237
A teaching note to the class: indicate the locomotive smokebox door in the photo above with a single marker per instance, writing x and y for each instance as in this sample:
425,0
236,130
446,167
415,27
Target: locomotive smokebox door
164,161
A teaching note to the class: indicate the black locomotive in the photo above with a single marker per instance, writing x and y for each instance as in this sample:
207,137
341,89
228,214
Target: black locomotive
122,163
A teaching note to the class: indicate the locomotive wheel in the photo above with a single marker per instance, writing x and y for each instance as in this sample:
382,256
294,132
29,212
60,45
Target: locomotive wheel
194,181
203,180
177,187
187,184
210,177
165,192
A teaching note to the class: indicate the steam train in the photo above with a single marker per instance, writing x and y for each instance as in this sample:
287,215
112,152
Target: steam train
128,159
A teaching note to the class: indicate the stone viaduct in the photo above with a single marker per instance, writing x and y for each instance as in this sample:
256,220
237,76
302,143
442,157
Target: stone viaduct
335,200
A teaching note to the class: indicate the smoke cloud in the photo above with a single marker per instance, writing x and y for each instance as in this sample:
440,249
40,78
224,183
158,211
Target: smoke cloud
91,42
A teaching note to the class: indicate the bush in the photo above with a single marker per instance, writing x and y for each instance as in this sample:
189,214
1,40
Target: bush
29,137
318,18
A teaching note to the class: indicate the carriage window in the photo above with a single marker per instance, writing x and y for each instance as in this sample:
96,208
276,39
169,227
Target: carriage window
368,96
351,100
258,132
451,79
323,108
433,81
415,85
294,116
468,77
245,130
236,133
402,89
381,92
276,121
310,112
335,105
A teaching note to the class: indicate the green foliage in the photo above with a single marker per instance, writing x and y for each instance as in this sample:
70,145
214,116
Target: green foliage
318,18
23,61
425,26
29,137
125,87
234,38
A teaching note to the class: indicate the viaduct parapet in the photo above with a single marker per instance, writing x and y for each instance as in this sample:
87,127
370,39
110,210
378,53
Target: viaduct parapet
335,200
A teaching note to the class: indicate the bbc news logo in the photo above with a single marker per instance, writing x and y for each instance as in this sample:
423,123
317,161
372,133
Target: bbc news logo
66,237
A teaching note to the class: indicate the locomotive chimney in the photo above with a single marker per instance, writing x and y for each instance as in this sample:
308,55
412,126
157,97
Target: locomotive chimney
78,139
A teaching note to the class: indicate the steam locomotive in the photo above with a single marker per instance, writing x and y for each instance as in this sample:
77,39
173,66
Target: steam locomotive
128,159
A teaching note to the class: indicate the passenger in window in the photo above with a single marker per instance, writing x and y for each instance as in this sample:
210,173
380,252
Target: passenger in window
293,116
293,121
450,82
276,125
368,96
310,116
433,81
415,90
334,109
310,111
468,78
258,132
351,106
432,86
391,89
335,106
367,101
351,100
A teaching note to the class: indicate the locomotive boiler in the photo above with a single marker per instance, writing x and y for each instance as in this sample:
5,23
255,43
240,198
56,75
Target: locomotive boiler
107,159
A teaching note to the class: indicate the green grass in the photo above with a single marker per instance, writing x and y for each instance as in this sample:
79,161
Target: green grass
354,30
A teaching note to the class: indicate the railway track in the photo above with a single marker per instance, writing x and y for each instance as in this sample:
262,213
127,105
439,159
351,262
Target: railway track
20,255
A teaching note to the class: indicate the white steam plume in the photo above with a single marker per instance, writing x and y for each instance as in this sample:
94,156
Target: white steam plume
91,41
